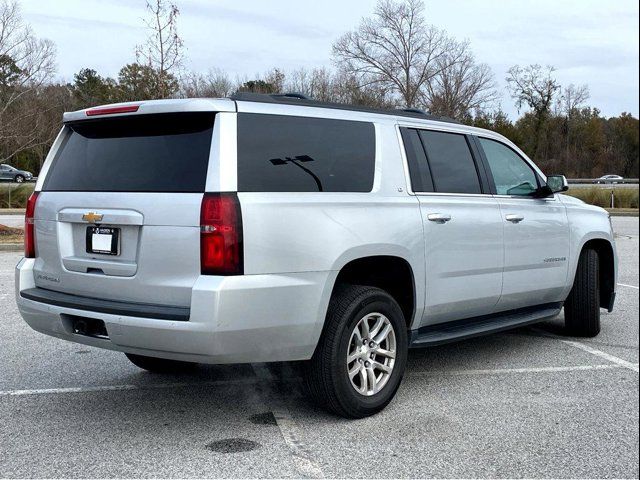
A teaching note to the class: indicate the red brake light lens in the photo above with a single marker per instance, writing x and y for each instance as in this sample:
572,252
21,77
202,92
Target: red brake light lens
29,232
110,110
221,235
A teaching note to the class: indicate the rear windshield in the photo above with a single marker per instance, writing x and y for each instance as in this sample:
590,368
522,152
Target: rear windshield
138,153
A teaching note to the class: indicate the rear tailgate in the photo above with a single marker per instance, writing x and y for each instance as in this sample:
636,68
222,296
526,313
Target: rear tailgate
140,179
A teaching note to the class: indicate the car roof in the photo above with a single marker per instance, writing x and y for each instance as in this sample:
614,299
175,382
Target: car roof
291,104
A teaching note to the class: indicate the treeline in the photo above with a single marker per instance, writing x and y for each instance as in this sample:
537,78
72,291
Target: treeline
393,59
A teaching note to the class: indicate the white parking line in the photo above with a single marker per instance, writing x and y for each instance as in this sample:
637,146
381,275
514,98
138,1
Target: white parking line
282,412
593,351
302,459
112,388
601,354
628,286
501,371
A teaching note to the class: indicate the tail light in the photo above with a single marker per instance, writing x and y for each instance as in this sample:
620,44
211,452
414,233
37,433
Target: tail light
29,233
221,235
111,110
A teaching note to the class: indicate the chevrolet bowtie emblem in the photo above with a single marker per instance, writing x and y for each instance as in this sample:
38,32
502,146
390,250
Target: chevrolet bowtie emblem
92,217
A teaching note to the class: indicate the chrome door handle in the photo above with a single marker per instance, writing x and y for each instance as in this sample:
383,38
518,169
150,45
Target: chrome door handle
439,217
514,218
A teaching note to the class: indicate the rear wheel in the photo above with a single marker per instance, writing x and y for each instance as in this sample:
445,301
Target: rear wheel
360,360
19,179
582,308
160,365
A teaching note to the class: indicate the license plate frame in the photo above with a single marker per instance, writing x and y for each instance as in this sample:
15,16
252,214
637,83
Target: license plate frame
98,235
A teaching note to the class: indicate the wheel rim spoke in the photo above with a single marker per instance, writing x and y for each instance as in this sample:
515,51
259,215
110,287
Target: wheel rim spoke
382,367
385,353
352,358
383,334
371,376
377,326
364,387
364,325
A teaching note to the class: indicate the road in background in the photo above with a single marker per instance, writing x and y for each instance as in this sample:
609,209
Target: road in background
607,185
12,220
526,403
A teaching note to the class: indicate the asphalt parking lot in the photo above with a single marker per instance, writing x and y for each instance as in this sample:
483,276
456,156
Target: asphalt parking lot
528,403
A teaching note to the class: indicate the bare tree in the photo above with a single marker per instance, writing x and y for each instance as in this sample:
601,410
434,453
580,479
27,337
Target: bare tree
26,63
462,86
572,98
394,49
163,50
534,86
214,83
316,83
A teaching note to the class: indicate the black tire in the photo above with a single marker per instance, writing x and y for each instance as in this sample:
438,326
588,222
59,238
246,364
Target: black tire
19,179
326,376
582,308
160,365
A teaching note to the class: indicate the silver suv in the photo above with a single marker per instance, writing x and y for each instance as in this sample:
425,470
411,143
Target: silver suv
274,228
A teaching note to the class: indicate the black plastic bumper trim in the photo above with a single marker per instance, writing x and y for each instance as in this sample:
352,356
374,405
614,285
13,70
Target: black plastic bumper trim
112,307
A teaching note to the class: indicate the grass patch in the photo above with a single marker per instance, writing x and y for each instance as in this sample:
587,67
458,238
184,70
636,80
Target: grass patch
622,197
12,196
11,235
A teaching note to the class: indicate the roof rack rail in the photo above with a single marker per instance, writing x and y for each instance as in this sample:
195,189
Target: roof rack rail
299,99
414,110
262,97
299,96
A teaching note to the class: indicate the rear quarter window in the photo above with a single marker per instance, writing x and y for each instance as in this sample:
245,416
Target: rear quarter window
137,153
279,153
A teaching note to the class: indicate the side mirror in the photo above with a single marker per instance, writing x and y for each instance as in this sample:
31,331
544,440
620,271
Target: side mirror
557,183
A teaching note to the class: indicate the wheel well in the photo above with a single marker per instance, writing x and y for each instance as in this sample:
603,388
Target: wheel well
391,274
607,273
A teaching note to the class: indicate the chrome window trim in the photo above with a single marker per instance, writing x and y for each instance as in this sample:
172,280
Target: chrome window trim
443,194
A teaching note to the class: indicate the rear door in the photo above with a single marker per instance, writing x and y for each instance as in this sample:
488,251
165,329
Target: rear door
462,226
536,230
118,214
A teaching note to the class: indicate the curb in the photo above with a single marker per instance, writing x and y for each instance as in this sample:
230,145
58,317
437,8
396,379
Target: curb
623,214
11,247
12,211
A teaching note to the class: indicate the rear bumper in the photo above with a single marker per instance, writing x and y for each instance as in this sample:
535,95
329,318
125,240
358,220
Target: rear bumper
239,319
97,305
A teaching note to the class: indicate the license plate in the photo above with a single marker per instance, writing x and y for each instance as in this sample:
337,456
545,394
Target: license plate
103,240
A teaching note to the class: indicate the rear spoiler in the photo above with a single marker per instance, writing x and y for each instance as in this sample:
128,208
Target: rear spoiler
152,106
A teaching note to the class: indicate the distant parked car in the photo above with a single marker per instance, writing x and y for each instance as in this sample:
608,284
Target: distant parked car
7,172
609,179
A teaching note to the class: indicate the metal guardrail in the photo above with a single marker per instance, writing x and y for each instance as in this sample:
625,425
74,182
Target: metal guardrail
629,181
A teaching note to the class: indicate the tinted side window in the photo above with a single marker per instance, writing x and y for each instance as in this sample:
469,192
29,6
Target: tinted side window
417,161
511,174
452,166
278,153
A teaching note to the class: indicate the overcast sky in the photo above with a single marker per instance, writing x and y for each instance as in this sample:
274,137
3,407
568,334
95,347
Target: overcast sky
589,42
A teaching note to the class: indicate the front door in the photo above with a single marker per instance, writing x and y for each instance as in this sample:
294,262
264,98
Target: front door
536,231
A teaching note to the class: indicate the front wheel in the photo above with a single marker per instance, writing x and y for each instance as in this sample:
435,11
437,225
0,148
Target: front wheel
19,179
159,365
582,308
360,359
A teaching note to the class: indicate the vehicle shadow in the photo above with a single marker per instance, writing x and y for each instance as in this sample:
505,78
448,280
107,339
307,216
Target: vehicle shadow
233,395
